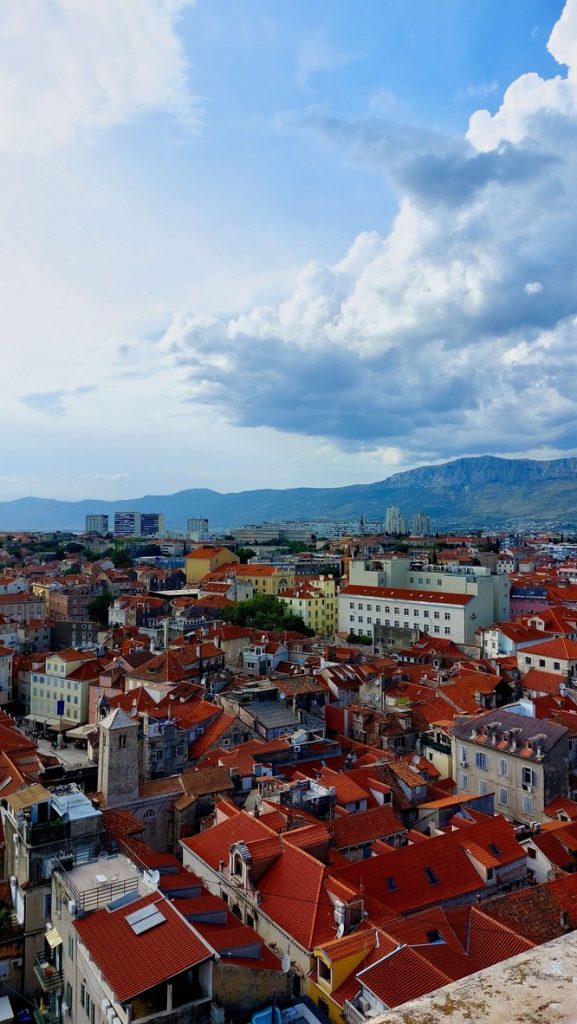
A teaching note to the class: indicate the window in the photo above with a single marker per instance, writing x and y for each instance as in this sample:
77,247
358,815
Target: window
351,604
391,884
431,876
351,618
387,608
425,614
447,616
71,949
83,993
463,781
369,619
360,606
377,608
436,629
482,788
47,906
324,970
542,662
436,615
396,610
527,804
503,767
121,739
481,760
68,994
503,796
447,630
527,777
360,618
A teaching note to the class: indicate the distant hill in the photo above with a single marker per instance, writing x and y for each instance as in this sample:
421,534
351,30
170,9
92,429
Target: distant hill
476,492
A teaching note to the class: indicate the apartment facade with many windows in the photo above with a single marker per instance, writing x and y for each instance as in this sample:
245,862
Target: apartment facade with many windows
454,616
522,760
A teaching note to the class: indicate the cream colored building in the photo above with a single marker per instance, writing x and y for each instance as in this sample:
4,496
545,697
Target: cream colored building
65,678
315,600
206,559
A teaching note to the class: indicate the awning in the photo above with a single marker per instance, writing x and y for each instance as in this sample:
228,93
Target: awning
53,938
81,732
56,724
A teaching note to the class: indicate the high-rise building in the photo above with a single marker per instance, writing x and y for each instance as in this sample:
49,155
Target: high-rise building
395,522
151,524
96,524
127,524
197,529
421,524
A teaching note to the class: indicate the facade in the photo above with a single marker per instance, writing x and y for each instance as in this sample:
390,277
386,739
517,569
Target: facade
65,679
6,657
451,604
522,760
197,529
96,524
206,559
151,524
315,600
123,952
421,524
40,827
395,521
127,524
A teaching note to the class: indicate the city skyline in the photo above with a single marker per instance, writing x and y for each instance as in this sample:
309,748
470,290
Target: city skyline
263,246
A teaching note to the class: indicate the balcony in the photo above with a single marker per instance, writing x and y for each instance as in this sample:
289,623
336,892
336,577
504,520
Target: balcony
48,974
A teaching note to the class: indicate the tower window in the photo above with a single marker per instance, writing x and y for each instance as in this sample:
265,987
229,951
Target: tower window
122,741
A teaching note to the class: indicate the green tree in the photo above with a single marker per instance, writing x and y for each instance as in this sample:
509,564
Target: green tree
121,558
98,608
263,611
245,554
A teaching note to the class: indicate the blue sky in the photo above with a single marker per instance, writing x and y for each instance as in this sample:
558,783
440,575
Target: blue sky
254,243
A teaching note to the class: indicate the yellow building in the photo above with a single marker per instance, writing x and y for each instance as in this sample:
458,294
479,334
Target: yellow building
315,600
206,559
264,579
335,963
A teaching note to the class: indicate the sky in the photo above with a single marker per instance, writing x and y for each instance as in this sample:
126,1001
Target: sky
260,243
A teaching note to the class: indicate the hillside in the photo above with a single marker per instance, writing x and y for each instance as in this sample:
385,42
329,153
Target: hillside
473,492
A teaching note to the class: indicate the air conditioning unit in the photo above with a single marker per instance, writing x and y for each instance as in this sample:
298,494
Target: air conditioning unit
72,907
463,763
527,787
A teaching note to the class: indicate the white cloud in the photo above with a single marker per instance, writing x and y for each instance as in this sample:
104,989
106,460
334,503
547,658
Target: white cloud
316,55
70,67
430,339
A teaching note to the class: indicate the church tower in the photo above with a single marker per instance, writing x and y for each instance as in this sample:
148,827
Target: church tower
118,759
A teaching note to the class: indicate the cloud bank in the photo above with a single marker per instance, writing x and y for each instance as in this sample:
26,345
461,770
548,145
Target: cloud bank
456,333
69,67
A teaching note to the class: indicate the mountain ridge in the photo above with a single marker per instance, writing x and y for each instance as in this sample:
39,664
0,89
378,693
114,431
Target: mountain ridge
467,492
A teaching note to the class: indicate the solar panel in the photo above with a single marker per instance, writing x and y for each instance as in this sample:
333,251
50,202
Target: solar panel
145,918
148,922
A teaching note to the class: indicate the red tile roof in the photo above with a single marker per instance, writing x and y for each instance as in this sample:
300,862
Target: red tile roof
148,959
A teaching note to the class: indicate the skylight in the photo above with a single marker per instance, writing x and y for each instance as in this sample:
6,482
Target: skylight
431,876
391,884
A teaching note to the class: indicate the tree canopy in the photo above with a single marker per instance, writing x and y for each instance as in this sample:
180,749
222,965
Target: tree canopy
263,611
98,608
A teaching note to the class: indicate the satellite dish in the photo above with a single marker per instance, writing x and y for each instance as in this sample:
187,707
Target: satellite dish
341,930
286,963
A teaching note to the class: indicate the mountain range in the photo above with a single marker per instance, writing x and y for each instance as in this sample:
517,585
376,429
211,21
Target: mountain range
482,492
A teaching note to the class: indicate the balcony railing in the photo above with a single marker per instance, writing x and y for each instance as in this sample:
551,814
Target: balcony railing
49,977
